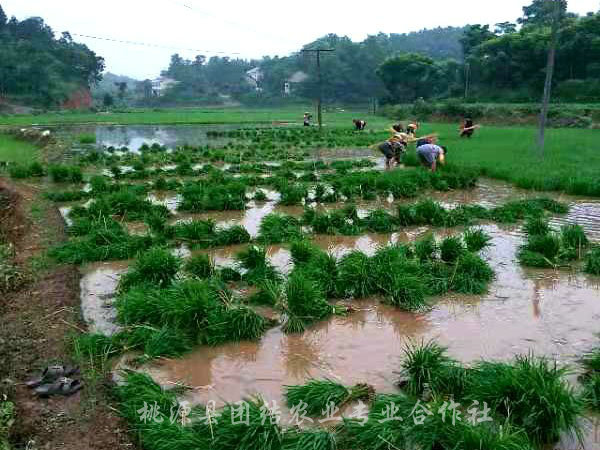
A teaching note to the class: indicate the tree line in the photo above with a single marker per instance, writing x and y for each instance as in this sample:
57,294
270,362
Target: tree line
36,68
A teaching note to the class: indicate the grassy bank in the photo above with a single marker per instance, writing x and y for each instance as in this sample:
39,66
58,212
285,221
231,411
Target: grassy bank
15,151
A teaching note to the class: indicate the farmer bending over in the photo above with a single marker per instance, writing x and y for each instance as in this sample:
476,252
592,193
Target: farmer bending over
307,118
392,149
359,124
468,128
430,154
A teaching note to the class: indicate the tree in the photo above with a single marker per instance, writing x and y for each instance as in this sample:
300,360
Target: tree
544,12
122,87
3,19
108,100
474,36
505,28
408,76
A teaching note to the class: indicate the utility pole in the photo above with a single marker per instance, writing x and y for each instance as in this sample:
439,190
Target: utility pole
467,79
320,81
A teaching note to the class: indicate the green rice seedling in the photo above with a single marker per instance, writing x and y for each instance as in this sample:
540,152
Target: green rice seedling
309,439
303,251
200,266
534,259
233,323
451,248
406,292
536,226
260,196
516,210
380,221
532,393
94,349
379,432
354,275
318,395
105,243
155,342
278,228
592,261
229,274
426,248
87,138
18,171
472,275
476,239
260,432
292,194
216,196
429,212
270,293
405,215
315,264
305,299
157,267
547,245
201,232
591,391
65,174
66,196
426,365
234,235
573,237
254,261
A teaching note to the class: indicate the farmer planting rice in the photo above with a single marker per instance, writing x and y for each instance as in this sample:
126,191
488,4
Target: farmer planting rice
467,129
359,124
393,149
429,155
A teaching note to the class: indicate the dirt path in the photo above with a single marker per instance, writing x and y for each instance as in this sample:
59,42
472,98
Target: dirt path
35,326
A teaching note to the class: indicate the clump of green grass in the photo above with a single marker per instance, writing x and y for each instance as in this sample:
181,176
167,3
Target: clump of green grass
261,432
591,379
154,342
573,237
33,169
200,266
315,264
592,261
87,138
405,291
354,275
199,197
260,196
305,302
292,194
451,248
233,323
258,268
157,267
320,394
426,366
537,226
476,240
426,248
472,274
278,228
532,393
345,222
380,221
65,174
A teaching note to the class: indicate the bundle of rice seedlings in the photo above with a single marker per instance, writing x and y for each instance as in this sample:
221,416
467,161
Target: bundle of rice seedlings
573,237
234,235
405,215
155,342
215,195
229,274
258,268
426,366
157,266
536,226
476,240
406,292
591,379
534,259
94,349
277,228
65,174
303,251
592,261
305,299
261,432
426,248
472,275
514,211
531,393
260,196
200,266
547,245
202,232
320,394
379,432
309,439
354,275
233,323
293,194
380,221
451,248
428,212
269,293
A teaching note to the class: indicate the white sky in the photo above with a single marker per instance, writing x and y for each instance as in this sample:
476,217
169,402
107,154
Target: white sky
250,28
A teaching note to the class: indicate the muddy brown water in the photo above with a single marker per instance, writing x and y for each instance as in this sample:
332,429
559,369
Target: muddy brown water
552,313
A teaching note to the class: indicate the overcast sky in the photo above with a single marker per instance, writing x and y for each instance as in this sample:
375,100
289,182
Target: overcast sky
250,29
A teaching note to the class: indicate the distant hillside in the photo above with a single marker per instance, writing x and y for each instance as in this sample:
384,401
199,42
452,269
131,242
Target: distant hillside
439,43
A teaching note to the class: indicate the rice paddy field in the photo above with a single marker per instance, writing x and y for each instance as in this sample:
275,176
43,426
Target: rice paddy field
346,306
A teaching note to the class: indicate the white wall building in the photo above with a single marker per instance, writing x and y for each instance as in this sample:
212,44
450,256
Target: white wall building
161,84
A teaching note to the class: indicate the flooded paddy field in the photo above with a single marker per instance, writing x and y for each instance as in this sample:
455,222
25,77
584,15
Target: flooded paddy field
553,312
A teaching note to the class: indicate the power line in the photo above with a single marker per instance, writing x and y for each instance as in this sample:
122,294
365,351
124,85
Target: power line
145,44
